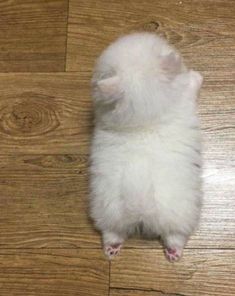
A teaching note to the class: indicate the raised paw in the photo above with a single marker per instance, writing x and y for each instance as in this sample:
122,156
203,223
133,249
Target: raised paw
173,254
111,250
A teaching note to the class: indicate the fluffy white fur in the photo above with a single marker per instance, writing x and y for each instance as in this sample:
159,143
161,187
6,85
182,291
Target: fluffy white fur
145,154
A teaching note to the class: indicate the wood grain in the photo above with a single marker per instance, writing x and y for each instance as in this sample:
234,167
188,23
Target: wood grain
203,30
33,35
128,292
53,272
201,272
45,202
45,113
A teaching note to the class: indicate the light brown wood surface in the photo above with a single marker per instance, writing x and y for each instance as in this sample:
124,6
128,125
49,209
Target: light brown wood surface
48,245
45,113
53,272
200,272
203,30
33,35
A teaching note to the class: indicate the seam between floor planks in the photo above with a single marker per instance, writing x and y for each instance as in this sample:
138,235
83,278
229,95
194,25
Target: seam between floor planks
66,40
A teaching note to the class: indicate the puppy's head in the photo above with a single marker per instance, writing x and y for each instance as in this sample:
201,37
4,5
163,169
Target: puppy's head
135,79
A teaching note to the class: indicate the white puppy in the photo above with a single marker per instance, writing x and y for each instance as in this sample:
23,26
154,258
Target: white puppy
145,154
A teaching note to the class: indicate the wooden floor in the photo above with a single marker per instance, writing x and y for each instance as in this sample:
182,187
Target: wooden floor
47,243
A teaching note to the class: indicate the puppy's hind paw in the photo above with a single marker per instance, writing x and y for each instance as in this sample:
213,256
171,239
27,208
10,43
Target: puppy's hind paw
111,250
173,254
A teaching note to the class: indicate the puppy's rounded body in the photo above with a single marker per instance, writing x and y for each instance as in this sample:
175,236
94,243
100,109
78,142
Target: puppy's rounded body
145,154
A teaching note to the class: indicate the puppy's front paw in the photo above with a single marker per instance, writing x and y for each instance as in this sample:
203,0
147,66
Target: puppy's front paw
173,254
111,250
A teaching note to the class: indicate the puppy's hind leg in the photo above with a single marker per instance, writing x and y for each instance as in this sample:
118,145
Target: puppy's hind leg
112,243
174,244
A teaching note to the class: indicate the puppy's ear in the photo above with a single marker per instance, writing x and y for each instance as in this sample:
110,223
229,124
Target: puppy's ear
171,63
190,81
110,88
195,80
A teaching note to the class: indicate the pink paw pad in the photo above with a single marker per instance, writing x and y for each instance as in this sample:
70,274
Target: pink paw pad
173,254
112,250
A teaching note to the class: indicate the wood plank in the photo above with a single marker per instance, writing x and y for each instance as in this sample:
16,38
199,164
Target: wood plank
33,35
45,202
53,272
203,30
200,272
45,113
